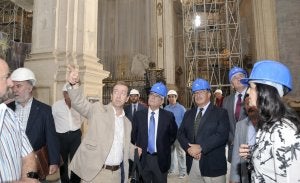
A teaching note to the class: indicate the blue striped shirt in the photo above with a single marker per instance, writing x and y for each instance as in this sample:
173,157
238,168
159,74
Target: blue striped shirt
14,145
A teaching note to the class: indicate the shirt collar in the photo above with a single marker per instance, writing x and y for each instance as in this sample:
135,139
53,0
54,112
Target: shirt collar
115,113
204,108
156,111
27,103
243,93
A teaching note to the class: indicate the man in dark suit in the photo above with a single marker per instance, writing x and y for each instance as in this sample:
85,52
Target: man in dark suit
234,105
134,105
130,110
203,135
35,116
154,131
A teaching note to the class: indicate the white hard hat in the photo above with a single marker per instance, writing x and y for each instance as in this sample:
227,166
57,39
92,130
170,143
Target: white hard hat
172,92
23,74
134,92
218,91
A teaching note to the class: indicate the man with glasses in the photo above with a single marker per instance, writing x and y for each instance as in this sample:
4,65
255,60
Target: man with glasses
203,135
178,110
154,131
233,103
17,157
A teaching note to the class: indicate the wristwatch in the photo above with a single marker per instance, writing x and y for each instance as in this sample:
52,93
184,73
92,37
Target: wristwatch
33,175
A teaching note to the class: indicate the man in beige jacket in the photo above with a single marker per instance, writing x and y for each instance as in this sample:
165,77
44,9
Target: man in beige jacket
107,141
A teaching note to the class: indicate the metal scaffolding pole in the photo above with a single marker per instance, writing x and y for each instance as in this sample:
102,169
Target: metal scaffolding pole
212,46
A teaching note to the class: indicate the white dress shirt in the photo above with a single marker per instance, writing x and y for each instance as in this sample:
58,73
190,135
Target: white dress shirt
156,123
115,156
65,118
22,113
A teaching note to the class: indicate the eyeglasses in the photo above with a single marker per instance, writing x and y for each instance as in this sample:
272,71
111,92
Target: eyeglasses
200,92
154,95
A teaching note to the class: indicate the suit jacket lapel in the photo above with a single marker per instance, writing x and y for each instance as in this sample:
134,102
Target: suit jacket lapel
34,111
232,104
204,117
192,120
159,124
112,117
140,106
130,112
143,124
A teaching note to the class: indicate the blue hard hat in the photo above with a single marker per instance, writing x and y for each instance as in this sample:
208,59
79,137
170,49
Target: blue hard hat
272,71
236,70
200,84
160,89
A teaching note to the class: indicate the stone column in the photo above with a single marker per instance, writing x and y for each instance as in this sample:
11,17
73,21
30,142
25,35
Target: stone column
165,39
169,54
160,33
265,29
65,32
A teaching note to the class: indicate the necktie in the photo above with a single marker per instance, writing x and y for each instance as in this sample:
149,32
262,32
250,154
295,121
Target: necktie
151,134
134,109
238,107
197,121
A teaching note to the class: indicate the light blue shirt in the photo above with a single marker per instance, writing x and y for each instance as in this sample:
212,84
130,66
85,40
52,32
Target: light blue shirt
178,110
251,134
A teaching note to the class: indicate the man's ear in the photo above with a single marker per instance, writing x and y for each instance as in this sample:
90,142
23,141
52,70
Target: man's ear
162,101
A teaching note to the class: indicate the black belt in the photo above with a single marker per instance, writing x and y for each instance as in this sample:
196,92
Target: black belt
153,154
111,168
68,132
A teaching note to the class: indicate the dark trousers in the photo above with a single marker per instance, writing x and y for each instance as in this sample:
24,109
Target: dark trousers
123,171
69,142
151,171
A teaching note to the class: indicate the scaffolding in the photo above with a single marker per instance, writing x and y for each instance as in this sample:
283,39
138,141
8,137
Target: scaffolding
15,33
212,42
15,21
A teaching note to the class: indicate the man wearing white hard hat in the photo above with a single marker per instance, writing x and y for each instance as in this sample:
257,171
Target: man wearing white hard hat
35,116
134,106
178,110
218,97
67,123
